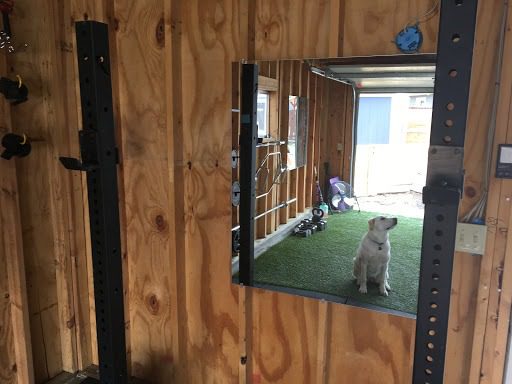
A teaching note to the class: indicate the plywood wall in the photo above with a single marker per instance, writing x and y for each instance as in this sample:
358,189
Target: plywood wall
185,322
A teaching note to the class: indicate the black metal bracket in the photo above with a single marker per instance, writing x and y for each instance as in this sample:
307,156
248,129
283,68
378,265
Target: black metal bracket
444,185
248,141
99,160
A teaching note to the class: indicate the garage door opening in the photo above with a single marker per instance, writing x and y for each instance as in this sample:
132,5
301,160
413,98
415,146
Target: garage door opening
391,151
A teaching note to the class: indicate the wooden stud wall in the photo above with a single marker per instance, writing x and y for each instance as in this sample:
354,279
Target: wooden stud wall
185,322
16,364
336,112
335,132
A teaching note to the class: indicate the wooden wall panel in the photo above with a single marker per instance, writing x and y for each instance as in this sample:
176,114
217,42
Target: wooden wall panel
172,82
381,353
16,364
141,49
212,36
7,356
15,341
278,354
7,192
41,231
370,27
336,127
62,291
292,29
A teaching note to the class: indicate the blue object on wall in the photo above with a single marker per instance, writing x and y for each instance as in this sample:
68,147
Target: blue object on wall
409,39
373,120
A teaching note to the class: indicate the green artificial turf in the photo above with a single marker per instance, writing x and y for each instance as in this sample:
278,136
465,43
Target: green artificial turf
323,261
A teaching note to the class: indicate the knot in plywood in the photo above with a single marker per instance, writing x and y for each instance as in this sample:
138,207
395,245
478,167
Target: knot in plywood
160,33
160,223
153,304
272,32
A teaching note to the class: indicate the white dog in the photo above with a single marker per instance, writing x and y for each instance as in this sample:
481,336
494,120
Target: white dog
372,259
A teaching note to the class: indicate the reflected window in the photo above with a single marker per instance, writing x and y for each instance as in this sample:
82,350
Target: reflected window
263,114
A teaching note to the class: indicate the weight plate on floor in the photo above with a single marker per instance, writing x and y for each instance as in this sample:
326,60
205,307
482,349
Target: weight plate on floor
317,212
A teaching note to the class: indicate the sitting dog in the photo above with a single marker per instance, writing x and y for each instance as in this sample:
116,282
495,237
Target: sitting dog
372,259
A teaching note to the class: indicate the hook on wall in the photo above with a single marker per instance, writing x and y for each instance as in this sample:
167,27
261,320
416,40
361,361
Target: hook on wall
14,90
15,145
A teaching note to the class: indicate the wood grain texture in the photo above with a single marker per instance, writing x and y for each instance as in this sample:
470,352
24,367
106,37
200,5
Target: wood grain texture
279,356
501,346
172,77
40,190
7,342
493,273
8,203
17,334
65,187
374,347
140,44
16,363
245,312
324,320
337,12
291,29
335,126
211,38
371,26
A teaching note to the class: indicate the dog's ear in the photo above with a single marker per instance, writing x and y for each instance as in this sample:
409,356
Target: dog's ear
371,224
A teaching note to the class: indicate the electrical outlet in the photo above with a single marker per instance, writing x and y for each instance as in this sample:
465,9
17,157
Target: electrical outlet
471,238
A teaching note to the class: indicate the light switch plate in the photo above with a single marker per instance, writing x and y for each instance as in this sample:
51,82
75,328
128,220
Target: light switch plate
471,238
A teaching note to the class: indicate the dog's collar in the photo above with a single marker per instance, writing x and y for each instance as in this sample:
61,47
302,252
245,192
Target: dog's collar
376,242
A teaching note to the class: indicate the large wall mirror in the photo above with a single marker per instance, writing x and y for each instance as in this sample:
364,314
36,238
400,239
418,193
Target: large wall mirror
382,171
346,139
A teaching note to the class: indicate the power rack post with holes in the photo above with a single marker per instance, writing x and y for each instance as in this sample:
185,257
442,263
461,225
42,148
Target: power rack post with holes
444,186
99,161
248,140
